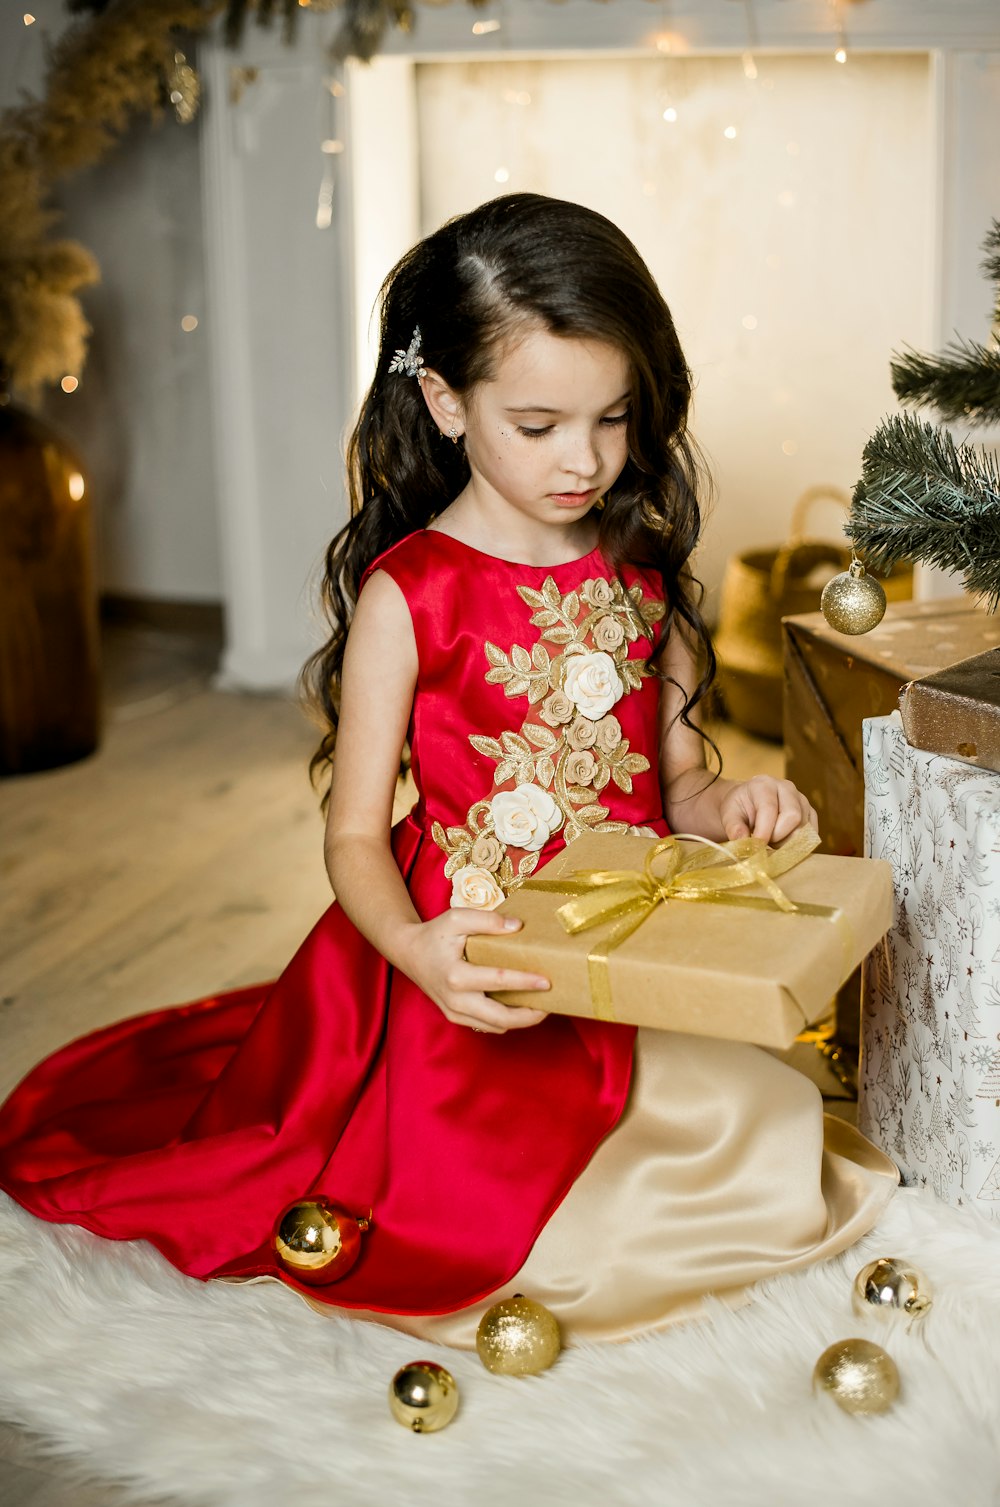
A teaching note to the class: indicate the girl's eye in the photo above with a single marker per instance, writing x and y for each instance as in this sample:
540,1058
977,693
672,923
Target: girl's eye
612,421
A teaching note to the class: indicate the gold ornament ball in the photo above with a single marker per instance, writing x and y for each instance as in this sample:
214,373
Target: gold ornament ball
890,1286
316,1241
518,1337
854,601
423,1396
858,1375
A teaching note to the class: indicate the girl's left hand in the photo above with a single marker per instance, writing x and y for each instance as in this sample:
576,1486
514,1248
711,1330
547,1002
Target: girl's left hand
764,807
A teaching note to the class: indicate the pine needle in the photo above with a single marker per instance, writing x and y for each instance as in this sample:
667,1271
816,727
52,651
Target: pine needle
922,497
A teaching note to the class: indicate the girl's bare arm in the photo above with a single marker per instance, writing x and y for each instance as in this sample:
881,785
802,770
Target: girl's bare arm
692,801
379,679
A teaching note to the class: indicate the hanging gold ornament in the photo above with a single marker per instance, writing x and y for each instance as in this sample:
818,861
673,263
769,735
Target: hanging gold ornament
890,1286
518,1337
183,89
853,602
317,1242
423,1396
859,1375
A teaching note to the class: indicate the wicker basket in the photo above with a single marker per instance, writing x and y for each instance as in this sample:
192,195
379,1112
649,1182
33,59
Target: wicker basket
760,587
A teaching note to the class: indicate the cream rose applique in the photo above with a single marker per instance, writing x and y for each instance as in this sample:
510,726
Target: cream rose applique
475,889
592,683
570,747
525,817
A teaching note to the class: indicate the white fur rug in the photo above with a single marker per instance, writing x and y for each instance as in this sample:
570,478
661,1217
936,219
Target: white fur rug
240,1396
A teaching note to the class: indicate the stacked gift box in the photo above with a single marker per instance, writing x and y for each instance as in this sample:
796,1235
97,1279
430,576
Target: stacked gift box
930,1066
833,681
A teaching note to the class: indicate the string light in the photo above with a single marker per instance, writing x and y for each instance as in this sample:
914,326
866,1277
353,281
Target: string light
29,19
332,147
730,133
69,384
670,114
77,486
324,203
838,10
749,321
789,447
502,175
483,28
189,323
516,97
749,64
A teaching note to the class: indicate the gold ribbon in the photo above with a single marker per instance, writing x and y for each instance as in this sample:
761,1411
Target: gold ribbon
629,896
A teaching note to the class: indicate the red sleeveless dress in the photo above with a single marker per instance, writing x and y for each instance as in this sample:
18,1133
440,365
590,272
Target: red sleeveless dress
192,1127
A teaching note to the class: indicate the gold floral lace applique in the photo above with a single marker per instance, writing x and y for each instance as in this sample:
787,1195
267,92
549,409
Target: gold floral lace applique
560,762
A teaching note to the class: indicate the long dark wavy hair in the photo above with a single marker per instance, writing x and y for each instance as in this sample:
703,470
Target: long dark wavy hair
518,261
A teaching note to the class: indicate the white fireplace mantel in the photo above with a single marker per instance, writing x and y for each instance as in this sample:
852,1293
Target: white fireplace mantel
290,302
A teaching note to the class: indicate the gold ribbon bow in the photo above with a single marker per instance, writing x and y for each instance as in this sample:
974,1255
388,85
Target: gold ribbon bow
629,896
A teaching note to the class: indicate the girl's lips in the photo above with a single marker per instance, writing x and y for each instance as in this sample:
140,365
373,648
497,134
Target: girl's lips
573,499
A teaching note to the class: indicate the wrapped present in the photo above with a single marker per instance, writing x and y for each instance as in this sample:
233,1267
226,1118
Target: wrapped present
833,681
930,1063
747,943
957,711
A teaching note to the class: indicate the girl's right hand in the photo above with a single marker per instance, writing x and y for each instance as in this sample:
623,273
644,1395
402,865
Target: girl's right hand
435,961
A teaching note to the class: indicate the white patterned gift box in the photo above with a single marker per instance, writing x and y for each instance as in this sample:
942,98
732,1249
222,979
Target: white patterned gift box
930,1031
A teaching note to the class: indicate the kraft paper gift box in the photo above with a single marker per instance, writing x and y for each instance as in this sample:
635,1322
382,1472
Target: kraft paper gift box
833,681
930,1062
957,711
746,972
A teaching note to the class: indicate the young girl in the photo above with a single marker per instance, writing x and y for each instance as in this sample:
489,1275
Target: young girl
511,598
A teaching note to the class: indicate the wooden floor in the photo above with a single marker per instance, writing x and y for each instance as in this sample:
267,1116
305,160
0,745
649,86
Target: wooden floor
185,857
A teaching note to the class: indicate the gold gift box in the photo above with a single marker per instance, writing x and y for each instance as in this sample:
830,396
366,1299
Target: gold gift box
957,711
706,967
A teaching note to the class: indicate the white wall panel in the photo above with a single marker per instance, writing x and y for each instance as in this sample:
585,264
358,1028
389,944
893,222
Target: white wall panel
814,221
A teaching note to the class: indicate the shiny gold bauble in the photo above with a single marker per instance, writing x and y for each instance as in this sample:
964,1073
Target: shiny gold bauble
853,602
858,1375
517,1337
890,1286
316,1241
423,1396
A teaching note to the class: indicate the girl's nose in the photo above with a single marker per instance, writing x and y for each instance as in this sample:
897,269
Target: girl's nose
581,458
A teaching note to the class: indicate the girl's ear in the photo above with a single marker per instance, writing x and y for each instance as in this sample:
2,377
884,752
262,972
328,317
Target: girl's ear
444,405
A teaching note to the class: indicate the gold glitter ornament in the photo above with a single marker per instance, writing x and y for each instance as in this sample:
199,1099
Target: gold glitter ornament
183,89
859,1375
518,1337
423,1396
853,602
316,1241
890,1286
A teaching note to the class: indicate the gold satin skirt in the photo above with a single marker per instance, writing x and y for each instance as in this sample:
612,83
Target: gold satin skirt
722,1170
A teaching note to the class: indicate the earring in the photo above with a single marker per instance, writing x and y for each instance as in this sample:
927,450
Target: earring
453,435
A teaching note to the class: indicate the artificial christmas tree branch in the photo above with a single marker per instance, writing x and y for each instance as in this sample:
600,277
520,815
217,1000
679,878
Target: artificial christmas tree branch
922,497
963,382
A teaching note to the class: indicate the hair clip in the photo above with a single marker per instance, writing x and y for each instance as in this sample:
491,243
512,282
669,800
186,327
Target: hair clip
410,362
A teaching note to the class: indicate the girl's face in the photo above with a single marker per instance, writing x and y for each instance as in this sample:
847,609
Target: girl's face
547,436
